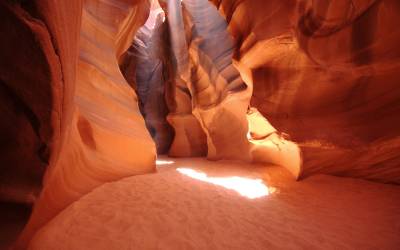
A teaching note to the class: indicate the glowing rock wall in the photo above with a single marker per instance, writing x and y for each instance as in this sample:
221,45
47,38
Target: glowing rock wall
206,97
105,136
326,73
220,98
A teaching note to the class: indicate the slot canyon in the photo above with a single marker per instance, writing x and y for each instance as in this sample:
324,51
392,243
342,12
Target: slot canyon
199,124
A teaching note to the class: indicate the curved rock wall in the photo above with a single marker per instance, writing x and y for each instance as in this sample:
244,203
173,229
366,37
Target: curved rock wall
219,96
37,72
323,72
206,96
189,137
144,68
326,73
106,136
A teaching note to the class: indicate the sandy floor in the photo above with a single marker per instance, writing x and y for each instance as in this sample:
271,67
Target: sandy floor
197,204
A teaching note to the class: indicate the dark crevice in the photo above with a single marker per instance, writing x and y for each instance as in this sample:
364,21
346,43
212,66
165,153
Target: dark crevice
31,9
20,105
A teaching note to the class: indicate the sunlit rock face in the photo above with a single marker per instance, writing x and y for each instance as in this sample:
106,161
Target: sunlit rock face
189,57
164,98
189,137
326,73
220,98
106,138
321,73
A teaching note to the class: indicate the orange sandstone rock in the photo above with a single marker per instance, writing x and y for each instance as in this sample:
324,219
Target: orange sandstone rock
107,139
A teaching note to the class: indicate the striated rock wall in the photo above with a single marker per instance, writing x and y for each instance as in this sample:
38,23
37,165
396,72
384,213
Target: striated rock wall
189,137
206,97
105,136
37,73
323,72
144,68
220,98
326,73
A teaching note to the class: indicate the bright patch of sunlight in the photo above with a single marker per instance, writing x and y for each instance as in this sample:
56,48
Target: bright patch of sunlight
162,162
250,188
248,135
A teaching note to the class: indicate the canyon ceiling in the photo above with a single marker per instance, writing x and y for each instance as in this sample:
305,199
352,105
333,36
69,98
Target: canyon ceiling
85,85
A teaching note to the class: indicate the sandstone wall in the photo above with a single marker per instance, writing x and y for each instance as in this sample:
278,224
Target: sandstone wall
83,108
145,69
37,74
323,72
326,73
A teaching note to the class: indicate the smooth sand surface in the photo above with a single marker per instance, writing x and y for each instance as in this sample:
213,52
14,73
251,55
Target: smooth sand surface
199,204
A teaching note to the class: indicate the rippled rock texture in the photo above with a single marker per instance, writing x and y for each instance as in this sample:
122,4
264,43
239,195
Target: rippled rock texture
144,68
235,80
326,73
206,98
73,107
37,72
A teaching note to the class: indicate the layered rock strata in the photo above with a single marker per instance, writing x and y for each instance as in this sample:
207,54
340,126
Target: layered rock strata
147,76
106,138
325,72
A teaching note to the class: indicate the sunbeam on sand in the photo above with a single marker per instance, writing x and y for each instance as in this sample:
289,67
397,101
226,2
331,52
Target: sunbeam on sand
250,188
